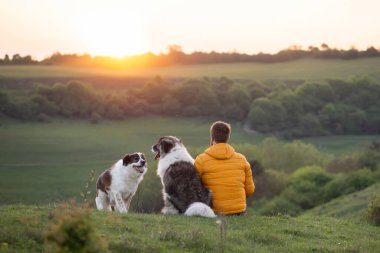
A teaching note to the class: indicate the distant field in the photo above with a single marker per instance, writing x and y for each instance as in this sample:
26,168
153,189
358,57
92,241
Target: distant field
55,159
341,144
311,69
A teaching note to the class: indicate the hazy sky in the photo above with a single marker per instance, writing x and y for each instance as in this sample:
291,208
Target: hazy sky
120,27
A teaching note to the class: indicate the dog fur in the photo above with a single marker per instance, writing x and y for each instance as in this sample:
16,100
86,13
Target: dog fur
117,185
183,192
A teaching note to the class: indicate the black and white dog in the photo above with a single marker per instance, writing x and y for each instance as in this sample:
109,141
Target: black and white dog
117,185
183,191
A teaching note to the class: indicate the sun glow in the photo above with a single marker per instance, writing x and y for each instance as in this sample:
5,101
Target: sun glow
112,32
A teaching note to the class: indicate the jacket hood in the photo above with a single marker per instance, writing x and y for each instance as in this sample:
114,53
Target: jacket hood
220,151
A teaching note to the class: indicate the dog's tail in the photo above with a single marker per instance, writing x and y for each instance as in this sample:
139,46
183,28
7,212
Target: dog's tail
200,209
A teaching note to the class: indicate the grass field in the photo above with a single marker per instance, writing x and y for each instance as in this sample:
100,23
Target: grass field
24,229
306,69
341,144
55,159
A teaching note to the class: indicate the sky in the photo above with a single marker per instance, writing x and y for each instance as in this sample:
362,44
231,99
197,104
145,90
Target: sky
123,27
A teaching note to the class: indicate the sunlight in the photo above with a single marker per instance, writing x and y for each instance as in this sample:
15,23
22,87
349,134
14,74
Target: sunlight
112,32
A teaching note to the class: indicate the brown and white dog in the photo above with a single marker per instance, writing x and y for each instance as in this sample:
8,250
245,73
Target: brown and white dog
183,192
117,185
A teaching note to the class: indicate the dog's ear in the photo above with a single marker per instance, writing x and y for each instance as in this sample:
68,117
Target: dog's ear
127,159
166,145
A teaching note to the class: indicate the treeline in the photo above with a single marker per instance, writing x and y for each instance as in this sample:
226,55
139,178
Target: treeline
310,109
320,108
177,56
17,59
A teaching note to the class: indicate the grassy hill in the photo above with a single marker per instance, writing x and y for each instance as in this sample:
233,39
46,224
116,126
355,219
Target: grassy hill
55,159
24,229
310,69
352,206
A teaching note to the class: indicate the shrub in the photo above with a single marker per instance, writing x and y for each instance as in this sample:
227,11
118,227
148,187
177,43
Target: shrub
95,118
313,174
42,117
370,159
269,183
359,180
335,187
303,191
73,231
373,210
288,156
347,183
344,164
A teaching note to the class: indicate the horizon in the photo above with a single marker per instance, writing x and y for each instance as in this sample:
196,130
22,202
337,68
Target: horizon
180,49
124,28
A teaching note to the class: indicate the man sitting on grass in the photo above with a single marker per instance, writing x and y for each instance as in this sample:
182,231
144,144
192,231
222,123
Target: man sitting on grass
226,173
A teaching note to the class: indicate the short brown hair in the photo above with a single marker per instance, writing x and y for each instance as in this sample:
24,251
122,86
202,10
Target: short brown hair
220,132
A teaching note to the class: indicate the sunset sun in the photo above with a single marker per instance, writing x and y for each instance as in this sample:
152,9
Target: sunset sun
112,33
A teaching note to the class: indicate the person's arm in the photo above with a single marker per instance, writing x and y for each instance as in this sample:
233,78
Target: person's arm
249,185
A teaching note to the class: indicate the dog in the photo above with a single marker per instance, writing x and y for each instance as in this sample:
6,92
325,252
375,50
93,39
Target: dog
183,192
117,185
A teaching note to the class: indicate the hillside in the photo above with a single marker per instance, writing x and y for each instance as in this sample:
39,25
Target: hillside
306,69
24,229
352,206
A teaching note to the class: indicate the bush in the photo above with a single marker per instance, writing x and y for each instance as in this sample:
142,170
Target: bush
370,159
269,184
373,210
288,156
359,180
344,164
42,117
303,191
73,231
347,183
95,118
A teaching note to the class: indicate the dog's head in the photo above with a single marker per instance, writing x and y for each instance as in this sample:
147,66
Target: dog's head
136,161
165,145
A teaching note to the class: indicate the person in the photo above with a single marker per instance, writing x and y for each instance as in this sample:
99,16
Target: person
225,172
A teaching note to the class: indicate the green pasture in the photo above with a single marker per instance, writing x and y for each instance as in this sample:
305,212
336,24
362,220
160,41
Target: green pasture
49,162
41,163
305,69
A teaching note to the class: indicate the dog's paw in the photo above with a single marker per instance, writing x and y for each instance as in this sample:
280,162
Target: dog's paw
169,210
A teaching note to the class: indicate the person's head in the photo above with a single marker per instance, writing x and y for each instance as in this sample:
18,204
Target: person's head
220,132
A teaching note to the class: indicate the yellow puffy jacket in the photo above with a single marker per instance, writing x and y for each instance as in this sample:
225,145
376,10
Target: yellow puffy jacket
228,175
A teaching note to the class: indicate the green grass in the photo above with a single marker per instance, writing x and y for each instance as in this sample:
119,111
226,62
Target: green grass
55,159
310,69
341,144
352,206
24,229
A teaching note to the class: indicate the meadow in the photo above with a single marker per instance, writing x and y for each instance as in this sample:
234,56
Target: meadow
306,69
55,159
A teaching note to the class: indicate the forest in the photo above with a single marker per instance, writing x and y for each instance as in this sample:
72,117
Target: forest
311,108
